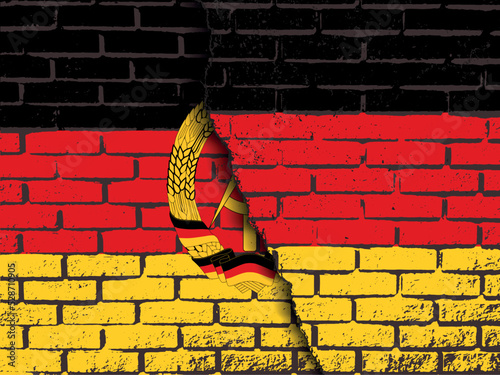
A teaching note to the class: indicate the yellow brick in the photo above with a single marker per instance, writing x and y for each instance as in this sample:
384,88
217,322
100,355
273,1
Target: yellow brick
255,312
11,337
218,336
65,337
103,265
177,312
302,284
171,265
492,285
256,361
491,336
355,334
440,284
101,313
210,289
9,290
335,360
323,309
433,336
279,291
28,314
285,337
66,290
180,360
396,361
316,258
471,362
358,283
138,289
476,310
395,309
93,361
476,259
31,265
28,360
397,258
141,336
307,362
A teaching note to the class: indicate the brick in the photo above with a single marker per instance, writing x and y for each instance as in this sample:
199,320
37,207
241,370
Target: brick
9,142
103,265
139,241
476,259
61,241
101,166
492,285
492,181
310,258
440,284
323,309
206,289
171,265
442,180
354,334
157,217
256,361
27,166
442,232
138,289
138,191
401,206
101,313
278,179
476,310
476,207
98,216
154,167
256,152
321,206
480,154
11,192
102,361
144,142
321,152
396,309
63,191
355,232
491,336
471,361
176,312
11,336
32,265
8,242
28,314
66,290
217,336
254,312
411,154
355,180
307,362
491,234
262,207
358,283
396,258
396,361
275,19
267,126
433,336
284,337
28,216
31,360
302,284
10,288
279,232
280,290
180,360
335,360
63,142
65,337
141,336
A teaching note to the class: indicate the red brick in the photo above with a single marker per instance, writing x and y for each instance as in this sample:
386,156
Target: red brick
494,128
477,207
9,142
157,217
63,241
356,232
405,153
139,142
222,124
475,154
437,233
139,241
28,216
492,180
288,232
263,207
354,180
8,242
321,206
64,142
98,216
402,206
491,234
322,152
27,166
270,126
255,152
138,191
156,167
102,166
439,180
278,179
63,191
11,192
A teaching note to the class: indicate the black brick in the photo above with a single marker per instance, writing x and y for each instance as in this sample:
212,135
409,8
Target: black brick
320,100
24,66
480,100
243,46
408,101
197,43
321,47
182,68
64,41
138,92
141,42
96,15
340,19
220,19
269,73
9,92
447,19
275,19
241,99
192,92
173,17
27,15
61,92
28,116
92,68
214,74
